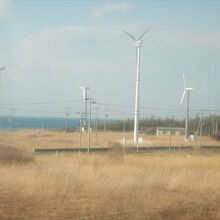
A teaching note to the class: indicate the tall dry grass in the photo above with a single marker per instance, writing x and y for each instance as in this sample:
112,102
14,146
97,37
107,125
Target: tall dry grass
9,155
154,186
29,139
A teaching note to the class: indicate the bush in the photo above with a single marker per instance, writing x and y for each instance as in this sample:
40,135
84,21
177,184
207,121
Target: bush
218,137
10,155
116,154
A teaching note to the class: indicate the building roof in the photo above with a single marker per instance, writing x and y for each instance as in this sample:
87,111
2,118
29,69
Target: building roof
171,129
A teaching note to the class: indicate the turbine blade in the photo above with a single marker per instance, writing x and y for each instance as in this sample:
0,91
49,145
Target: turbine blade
129,35
143,34
184,81
184,92
2,68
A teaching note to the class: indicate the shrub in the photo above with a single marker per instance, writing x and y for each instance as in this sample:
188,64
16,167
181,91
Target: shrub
10,155
116,154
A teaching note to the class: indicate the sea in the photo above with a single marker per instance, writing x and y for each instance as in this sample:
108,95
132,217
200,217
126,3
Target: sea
20,122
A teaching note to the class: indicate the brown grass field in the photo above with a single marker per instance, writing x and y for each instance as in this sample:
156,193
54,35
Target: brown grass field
30,139
112,186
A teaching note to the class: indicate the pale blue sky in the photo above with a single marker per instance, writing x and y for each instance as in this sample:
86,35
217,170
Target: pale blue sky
51,48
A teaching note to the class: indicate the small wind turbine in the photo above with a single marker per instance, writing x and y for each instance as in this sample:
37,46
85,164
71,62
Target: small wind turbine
138,44
186,90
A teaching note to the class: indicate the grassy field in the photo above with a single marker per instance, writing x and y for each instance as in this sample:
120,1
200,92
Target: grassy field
112,186
29,139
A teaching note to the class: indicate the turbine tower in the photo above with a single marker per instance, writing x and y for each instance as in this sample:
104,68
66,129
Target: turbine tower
85,98
186,90
138,44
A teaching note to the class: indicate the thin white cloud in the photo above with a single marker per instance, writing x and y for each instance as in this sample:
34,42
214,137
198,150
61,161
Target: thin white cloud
173,38
177,38
111,8
5,9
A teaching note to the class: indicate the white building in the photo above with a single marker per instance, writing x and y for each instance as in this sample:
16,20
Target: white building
167,131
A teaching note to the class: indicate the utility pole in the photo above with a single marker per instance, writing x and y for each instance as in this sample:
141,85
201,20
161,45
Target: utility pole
10,124
86,99
80,130
201,129
1,69
105,116
96,129
89,124
124,139
213,127
91,101
67,114
171,126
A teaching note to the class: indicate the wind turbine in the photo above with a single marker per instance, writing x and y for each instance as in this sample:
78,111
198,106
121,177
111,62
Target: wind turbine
186,90
138,44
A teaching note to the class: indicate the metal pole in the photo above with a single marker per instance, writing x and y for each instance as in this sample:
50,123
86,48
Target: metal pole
216,128
1,69
80,131
66,115
89,125
124,139
10,118
96,129
201,128
136,113
0,82
187,118
213,127
105,116
86,99
10,124
171,125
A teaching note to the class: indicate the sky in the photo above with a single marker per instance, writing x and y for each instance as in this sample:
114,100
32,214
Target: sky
51,48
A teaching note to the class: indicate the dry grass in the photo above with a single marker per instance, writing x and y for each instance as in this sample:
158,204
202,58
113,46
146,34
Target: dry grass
154,186
29,139
112,186
9,155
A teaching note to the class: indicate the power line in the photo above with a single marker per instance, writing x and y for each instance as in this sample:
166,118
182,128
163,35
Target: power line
42,103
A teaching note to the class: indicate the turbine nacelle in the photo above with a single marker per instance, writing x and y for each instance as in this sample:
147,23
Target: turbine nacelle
138,43
84,89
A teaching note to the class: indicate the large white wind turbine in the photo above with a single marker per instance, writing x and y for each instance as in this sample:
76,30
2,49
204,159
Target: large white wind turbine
186,91
138,44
